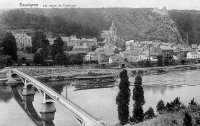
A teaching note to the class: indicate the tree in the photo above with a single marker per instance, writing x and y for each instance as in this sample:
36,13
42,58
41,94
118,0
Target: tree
160,106
193,102
149,114
57,50
138,114
138,97
123,98
38,41
9,46
5,61
160,60
59,59
138,92
187,121
39,57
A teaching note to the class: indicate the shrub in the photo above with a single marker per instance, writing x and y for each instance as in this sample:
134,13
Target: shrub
149,114
175,105
193,103
160,106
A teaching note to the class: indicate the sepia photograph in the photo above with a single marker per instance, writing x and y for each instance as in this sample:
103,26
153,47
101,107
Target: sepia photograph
99,62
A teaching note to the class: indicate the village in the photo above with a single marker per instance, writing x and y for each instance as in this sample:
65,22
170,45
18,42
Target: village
106,52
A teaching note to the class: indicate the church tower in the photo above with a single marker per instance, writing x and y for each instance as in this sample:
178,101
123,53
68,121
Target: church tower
113,29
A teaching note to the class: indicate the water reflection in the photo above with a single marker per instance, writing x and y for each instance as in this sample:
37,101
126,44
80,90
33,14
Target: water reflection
5,94
26,104
58,88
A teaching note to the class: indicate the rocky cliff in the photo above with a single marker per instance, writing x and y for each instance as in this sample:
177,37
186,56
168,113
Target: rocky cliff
144,24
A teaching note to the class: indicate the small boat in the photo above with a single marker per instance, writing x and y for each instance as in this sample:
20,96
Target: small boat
88,82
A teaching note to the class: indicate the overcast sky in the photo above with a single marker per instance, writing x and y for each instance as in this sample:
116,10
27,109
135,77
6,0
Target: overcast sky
170,4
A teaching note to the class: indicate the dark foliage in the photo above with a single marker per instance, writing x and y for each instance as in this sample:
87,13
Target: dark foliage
39,41
75,59
160,60
5,61
175,105
138,97
193,102
123,98
188,24
138,92
149,114
56,24
160,106
187,121
9,46
138,114
57,47
38,57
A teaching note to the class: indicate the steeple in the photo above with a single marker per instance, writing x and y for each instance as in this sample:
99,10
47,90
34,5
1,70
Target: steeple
113,29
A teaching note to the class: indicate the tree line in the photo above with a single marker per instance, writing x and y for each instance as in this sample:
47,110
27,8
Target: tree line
19,19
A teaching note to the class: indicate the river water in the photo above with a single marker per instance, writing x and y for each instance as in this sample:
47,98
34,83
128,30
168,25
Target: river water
101,102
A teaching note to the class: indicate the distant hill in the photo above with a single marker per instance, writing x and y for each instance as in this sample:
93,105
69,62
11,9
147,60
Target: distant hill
131,23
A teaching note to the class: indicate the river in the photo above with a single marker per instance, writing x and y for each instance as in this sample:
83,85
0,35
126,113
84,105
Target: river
101,102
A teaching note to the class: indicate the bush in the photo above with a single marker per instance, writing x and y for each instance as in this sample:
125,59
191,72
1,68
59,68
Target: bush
193,103
160,106
175,105
149,114
169,107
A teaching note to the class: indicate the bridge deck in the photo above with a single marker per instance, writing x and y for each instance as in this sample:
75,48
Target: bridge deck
73,108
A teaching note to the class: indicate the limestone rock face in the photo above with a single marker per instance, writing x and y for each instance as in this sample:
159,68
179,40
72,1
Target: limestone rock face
143,24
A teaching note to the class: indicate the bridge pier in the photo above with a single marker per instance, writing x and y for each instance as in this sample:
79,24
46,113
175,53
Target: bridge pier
48,110
11,82
28,93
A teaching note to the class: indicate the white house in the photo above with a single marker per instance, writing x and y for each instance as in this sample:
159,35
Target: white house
91,56
115,59
192,55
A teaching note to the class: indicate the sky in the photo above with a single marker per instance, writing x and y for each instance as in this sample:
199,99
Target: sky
170,4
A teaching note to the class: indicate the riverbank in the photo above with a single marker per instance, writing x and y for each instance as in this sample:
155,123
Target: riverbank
162,70
61,73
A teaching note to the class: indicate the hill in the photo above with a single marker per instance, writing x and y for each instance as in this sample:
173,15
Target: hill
131,23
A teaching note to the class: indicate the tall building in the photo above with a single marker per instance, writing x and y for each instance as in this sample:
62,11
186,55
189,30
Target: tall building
23,40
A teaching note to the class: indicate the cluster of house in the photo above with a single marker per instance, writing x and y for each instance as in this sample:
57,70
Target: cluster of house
109,53
137,51
82,45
